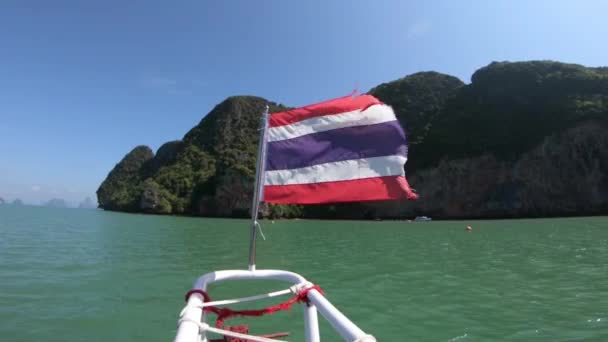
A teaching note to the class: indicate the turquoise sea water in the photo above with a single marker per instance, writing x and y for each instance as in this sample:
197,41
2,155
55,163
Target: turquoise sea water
76,275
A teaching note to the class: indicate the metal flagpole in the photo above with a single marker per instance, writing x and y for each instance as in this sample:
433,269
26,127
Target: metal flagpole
258,188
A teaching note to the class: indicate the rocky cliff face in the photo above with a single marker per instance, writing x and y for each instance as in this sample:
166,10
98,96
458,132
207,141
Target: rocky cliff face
566,174
523,139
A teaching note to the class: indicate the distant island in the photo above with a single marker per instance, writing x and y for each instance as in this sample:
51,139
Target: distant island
17,201
523,139
56,203
2,201
87,203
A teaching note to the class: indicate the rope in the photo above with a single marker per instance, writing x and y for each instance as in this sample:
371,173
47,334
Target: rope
203,327
246,299
259,227
233,301
300,290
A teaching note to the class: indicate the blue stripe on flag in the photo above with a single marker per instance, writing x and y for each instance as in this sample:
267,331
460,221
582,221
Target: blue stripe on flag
348,143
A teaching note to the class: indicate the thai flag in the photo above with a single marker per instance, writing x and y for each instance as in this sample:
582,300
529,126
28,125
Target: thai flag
349,149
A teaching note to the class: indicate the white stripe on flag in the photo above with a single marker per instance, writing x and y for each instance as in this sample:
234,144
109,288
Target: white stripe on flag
339,171
375,114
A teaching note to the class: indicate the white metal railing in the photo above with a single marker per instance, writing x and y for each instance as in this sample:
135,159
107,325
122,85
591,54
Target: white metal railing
193,326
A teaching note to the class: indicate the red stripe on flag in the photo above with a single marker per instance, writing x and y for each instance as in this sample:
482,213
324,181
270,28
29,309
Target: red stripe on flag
367,189
337,106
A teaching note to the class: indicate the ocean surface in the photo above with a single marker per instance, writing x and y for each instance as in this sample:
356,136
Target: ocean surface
88,275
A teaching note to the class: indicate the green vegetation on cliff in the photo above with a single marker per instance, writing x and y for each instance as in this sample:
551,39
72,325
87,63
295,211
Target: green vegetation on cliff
510,107
417,101
121,189
467,133
209,172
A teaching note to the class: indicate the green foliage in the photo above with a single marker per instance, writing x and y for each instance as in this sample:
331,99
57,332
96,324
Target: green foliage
417,99
155,199
274,211
230,132
510,107
165,155
190,168
216,158
121,189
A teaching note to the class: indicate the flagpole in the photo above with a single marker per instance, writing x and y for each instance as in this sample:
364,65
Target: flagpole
258,188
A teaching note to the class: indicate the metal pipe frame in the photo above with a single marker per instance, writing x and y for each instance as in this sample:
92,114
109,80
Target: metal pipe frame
189,331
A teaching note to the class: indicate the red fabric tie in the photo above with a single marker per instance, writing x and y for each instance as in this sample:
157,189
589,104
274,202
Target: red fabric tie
225,313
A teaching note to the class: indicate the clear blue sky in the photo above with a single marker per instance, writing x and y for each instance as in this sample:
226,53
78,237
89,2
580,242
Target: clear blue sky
83,82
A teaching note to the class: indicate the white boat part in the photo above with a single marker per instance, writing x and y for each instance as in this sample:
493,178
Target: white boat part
193,326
